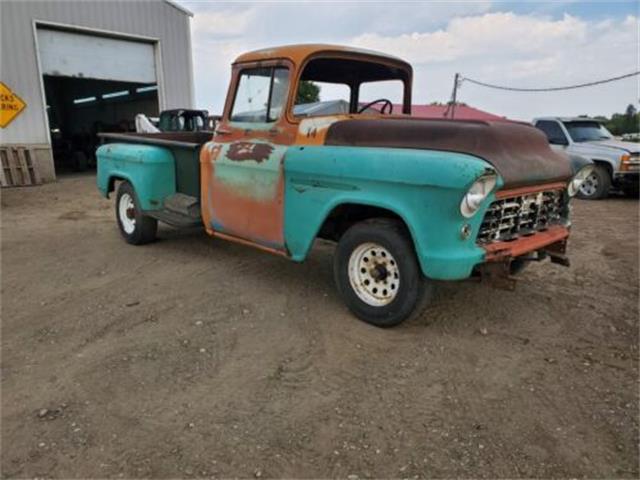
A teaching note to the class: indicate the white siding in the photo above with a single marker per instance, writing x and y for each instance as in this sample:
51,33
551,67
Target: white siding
151,19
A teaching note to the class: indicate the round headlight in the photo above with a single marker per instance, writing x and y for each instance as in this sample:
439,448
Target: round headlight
478,191
578,179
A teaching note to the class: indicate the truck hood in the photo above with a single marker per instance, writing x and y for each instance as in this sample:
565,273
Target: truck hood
520,153
612,144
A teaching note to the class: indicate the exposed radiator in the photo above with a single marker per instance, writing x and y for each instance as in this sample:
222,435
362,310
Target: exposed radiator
514,217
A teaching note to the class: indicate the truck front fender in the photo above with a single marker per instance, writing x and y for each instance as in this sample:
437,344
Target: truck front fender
423,188
150,169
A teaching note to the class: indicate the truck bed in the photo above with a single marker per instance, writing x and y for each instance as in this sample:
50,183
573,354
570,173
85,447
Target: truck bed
183,207
185,147
180,139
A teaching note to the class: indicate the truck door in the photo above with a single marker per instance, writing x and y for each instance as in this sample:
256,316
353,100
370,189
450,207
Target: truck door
242,174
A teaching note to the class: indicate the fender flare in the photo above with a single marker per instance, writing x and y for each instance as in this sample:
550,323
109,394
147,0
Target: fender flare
355,200
113,177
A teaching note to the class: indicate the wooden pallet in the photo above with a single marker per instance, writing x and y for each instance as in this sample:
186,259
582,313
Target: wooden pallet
18,167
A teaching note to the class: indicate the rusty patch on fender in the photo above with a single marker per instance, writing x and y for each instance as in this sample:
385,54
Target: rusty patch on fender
243,151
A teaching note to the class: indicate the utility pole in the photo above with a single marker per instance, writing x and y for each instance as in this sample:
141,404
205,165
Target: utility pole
454,96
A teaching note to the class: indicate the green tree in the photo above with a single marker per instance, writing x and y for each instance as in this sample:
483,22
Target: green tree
631,110
308,92
627,122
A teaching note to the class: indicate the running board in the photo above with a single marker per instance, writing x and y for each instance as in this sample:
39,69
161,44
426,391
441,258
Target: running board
174,219
179,210
183,205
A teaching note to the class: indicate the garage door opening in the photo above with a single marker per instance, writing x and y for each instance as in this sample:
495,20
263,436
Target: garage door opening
79,108
93,84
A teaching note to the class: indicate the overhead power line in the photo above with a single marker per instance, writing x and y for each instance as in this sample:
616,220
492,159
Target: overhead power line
549,89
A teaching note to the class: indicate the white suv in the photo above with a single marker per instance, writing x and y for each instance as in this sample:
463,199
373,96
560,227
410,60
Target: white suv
617,163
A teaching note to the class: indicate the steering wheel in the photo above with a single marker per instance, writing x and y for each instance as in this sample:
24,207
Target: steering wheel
387,103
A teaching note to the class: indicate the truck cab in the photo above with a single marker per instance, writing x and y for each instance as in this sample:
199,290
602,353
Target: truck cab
309,146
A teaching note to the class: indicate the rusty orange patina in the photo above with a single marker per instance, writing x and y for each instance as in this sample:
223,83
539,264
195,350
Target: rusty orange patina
208,154
499,250
260,221
245,151
301,52
235,211
516,192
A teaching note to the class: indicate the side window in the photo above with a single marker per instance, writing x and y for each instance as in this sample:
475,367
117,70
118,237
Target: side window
261,95
314,99
392,90
552,130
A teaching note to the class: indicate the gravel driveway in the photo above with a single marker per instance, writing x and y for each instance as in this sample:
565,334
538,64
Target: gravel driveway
193,357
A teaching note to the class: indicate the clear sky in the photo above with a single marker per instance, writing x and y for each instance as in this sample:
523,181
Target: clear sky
523,44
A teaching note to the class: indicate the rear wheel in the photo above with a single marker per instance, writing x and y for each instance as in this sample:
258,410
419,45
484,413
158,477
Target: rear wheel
596,185
377,272
135,227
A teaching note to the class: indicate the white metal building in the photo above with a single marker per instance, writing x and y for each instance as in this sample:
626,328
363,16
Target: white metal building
83,67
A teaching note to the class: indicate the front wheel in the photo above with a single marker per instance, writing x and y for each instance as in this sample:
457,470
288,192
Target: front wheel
596,185
377,272
135,227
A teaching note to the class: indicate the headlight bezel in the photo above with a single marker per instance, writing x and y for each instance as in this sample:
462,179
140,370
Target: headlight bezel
477,193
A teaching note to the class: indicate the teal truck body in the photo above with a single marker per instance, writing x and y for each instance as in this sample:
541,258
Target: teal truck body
422,188
407,201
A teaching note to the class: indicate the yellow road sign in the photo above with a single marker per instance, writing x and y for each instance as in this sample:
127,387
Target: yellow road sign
10,105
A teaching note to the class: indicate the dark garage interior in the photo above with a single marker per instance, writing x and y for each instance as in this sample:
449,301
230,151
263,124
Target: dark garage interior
80,108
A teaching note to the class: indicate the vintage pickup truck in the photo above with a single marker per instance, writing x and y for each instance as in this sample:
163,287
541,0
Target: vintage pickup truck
406,200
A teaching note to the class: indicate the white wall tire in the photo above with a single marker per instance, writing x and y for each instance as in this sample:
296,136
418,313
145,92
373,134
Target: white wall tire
127,213
135,227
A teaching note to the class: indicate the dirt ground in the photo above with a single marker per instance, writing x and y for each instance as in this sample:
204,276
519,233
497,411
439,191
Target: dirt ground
194,357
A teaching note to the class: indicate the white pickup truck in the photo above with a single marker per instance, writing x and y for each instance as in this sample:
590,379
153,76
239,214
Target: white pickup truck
617,162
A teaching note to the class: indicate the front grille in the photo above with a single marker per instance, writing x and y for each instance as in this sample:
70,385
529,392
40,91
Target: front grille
510,218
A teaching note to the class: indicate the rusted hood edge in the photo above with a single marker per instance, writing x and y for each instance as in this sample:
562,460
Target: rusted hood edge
519,152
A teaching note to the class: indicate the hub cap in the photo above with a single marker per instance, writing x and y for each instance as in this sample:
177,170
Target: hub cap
374,274
127,213
590,186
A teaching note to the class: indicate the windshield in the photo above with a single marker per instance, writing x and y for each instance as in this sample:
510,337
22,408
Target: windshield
587,131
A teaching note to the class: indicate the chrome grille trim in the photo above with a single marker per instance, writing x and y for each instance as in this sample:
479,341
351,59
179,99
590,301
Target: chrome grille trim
514,217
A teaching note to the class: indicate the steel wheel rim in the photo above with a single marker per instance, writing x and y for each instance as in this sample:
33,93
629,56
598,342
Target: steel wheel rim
374,274
127,213
590,185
